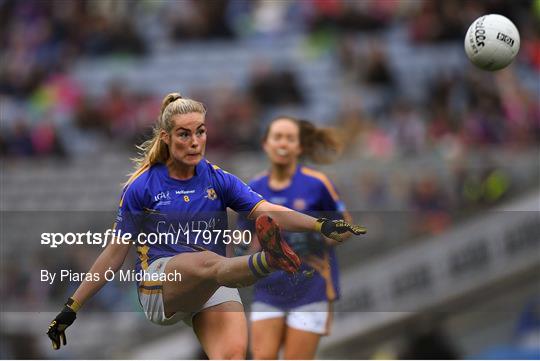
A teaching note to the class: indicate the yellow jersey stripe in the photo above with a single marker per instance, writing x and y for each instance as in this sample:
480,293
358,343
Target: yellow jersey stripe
216,167
330,319
143,256
135,176
150,292
255,207
324,179
327,275
151,283
326,272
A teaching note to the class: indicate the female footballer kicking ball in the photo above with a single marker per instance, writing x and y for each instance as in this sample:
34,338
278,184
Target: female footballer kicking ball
292,311
174,189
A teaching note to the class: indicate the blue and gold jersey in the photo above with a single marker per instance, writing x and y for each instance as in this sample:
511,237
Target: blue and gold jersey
167,216
310,192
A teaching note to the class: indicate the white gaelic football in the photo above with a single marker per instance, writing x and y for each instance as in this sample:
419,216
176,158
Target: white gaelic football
492,42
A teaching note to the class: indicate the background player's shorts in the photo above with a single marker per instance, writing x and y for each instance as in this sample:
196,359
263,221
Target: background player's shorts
152,300
314,317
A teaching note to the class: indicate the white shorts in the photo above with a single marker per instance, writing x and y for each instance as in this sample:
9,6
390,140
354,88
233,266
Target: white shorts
152,299
314,317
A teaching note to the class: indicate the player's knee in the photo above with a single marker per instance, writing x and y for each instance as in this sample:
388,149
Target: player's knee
298,354
234,351
264,354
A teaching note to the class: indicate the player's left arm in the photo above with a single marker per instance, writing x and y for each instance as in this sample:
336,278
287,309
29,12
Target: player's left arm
293,221
241,198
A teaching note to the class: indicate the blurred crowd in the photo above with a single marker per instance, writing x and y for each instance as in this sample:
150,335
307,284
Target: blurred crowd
44,39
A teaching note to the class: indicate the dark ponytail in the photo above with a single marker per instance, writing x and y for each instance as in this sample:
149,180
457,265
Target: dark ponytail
321,145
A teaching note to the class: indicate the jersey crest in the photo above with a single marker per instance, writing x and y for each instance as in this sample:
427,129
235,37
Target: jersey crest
211,194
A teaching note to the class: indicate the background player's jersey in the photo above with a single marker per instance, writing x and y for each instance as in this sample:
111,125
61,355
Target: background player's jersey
181,210
310,192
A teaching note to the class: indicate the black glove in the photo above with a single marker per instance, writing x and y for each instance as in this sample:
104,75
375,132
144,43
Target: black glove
337,229
62,321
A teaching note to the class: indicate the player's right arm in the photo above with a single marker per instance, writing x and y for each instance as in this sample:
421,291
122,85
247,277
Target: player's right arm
112,257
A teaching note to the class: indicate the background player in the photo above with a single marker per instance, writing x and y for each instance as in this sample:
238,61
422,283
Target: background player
175,186
293,311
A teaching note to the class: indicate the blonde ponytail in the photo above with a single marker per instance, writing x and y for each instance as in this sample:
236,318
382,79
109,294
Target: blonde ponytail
155,150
